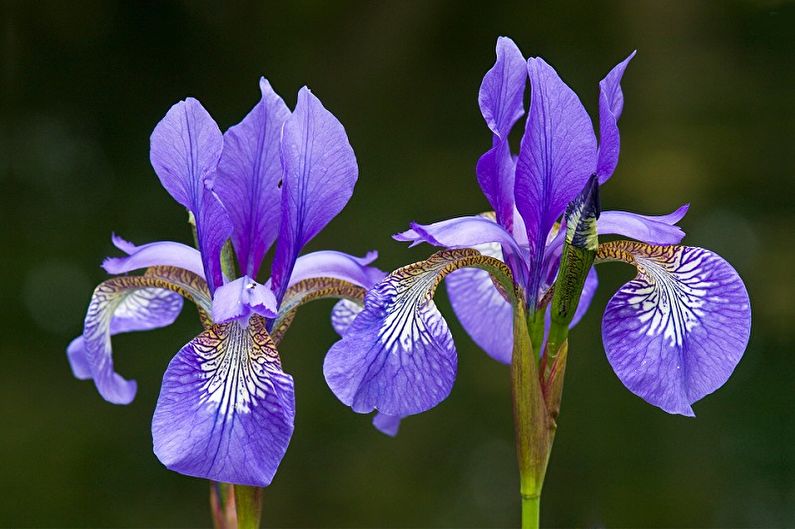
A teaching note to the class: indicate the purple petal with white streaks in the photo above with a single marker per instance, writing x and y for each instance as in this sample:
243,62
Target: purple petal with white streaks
676,332
320,172
226,408
249,178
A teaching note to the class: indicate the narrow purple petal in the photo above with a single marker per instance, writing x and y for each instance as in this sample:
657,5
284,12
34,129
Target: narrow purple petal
482,310
495,171
387,424
588,292
339,265
557,156
676,332
611,104
249,178
226,408
398,355
501,95
239,299
319,174
185,149
646,228
115,309
162,253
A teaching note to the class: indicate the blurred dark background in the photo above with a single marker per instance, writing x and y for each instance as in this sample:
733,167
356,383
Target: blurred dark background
709,119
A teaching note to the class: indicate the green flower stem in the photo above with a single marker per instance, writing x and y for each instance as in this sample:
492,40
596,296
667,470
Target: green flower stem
248,502
535,429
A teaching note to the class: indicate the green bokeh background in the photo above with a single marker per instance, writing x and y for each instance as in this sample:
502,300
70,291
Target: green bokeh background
709,118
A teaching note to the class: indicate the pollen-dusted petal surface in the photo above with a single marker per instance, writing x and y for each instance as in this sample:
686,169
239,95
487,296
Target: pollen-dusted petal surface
676,332
482,310
249,178
320,172
226,408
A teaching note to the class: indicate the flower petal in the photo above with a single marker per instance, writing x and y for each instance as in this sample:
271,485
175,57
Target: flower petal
185,149
588,292
338,265
387,424
121,304
241,298
249,176
226,408
676,332
495,170
611,103
161,253
319,174
343,314
557,156
501,96
482,310
660,229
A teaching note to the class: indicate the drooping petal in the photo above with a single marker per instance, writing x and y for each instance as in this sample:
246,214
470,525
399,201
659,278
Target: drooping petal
121,304
249,176
185,149
387,424
501,96
501,103
646,228
226,408
557,156
611,103
161,253
676,332
398,355
482,310
239,299
339,265
343,314
319,174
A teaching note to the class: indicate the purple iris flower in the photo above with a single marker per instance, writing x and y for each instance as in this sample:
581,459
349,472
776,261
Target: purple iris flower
226,406
672,335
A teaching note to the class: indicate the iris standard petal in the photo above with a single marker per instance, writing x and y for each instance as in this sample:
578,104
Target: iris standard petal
339,265
185,148
249,178
646,228
556,158
495,171
501,95
161,253
239,299
122,304
226,408
611,104
482,310
320,172
676,332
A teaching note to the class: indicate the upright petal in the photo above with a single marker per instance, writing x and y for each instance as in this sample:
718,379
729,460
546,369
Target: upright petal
660,229
501,100
226,408
319,174
611,103
185,149
338,265
557,156
161,253
501,96
482,310
676,332
249,178
398,355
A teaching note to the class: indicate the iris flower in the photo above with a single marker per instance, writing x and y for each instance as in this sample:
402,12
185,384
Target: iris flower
520,276
226,406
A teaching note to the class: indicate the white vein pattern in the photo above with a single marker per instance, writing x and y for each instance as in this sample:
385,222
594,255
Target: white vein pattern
676,332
